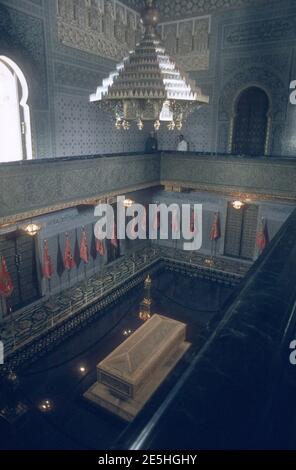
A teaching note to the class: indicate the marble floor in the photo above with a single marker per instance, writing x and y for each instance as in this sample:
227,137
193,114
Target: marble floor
62,376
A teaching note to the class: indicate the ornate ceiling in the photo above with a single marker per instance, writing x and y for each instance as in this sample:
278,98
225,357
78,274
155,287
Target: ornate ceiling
175,9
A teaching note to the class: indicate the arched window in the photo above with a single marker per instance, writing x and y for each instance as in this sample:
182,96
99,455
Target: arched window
15,127
251,122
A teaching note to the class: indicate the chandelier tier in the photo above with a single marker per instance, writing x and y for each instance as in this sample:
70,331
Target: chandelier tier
148,85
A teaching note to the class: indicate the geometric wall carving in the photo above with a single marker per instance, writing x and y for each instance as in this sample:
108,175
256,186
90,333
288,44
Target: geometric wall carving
22,38
173,9
103,27
259,32
74,76
188,42
196,131
40,121
83,129
223,137
277,139
259,76
281,62
249,175
109,29
49,186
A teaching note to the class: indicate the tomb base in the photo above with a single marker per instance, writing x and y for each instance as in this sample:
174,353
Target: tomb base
128,409
129,376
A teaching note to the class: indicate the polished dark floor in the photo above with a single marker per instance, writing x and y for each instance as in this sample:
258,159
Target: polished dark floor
73,423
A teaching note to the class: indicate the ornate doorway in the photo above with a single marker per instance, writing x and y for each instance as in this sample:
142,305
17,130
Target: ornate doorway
251,122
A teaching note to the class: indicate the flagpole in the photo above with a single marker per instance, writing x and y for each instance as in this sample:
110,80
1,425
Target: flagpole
3,305
14,333
77,265
94,259
60,277
49,297
85,282
9,308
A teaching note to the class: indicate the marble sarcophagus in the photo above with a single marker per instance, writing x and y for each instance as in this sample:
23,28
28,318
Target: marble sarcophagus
128,377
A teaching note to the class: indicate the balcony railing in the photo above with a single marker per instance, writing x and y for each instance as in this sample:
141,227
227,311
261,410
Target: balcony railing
32,188
237,391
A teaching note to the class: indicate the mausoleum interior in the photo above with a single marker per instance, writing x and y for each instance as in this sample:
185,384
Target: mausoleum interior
133,341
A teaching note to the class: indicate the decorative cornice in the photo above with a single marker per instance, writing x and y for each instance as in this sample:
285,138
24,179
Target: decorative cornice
227,191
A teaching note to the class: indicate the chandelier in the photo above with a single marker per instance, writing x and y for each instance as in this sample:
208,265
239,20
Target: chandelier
148,85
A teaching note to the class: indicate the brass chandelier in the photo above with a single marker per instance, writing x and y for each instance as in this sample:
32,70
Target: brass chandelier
148,85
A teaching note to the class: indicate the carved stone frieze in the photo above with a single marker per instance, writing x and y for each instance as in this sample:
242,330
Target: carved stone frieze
175,9
105,28
277,61
278,29
188,42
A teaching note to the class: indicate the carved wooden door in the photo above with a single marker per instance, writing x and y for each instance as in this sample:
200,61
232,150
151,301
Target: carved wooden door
20,254
250,124
240,233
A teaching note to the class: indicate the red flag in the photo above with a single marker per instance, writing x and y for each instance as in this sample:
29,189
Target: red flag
83,251
100,247
69,262
6,285
262,237
47,268
114,240
215,232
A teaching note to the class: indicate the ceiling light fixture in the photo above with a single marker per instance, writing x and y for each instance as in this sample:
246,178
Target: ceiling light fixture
31,229
237,205
128,203
148,85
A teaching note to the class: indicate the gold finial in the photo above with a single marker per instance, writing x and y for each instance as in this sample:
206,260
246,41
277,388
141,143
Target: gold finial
150,16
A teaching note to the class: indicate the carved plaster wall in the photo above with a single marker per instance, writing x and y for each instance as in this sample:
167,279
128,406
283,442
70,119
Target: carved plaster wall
188,42
103,27
176,9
